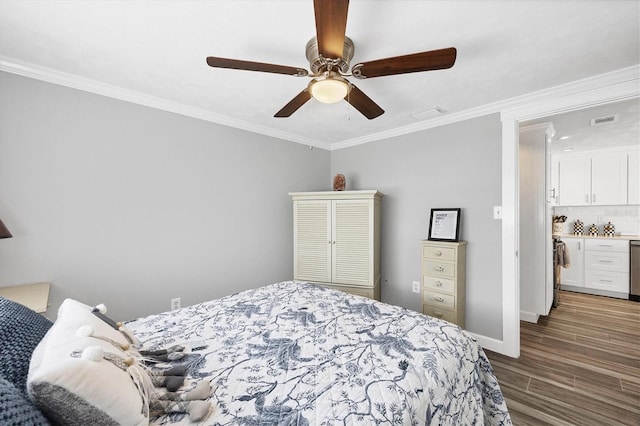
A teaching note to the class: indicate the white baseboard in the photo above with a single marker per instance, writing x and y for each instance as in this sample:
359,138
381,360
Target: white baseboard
594,291
529,317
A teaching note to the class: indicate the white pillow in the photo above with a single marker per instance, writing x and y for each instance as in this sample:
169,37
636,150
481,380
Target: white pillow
73,390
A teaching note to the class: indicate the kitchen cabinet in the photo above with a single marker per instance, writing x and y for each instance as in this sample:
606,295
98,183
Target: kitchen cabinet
598,266
574,274
607,265
594,178
554,175
574,175
633,170
609,179
536,194
336,240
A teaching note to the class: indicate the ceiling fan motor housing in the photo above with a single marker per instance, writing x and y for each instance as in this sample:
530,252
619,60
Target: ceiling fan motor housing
319,64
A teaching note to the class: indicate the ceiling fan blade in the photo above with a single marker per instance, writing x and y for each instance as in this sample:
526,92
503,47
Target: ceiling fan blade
363,103
293,105
331,24
237,64
416,62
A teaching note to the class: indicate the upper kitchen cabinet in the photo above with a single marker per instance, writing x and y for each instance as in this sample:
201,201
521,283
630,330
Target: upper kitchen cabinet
609,179
634,176
598,178
574,181
554,175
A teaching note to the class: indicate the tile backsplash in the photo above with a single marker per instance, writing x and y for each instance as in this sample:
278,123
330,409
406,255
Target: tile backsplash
626,219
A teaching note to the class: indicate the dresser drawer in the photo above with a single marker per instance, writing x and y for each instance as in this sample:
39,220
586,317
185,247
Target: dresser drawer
440,284
443,269
606,261
436,312
439,299
611,281
437,252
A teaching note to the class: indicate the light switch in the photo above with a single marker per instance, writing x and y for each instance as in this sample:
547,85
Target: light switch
497,212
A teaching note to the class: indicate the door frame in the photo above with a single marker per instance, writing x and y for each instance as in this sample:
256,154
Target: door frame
607,88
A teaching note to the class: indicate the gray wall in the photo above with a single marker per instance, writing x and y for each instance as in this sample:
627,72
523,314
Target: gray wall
458,165
129,206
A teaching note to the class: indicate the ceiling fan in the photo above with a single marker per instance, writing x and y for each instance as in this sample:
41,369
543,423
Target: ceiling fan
329,54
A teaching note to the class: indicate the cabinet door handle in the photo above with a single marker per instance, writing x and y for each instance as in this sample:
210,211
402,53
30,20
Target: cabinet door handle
438,253
579,246
438,299
439,283
438,268
553,193
586,198
593,198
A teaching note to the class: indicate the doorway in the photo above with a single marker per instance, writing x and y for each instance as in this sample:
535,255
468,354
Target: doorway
609,88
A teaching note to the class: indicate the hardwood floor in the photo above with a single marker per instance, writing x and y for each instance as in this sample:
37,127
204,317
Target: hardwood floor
578,366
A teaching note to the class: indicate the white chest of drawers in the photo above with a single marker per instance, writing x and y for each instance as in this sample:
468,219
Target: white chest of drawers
443,280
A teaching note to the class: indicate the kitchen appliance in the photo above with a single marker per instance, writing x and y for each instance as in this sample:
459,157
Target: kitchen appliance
559,261
634,269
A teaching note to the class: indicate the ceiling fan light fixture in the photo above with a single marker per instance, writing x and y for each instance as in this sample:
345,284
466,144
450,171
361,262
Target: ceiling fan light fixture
330,88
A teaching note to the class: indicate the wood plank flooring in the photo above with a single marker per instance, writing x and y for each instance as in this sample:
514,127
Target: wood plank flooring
578,366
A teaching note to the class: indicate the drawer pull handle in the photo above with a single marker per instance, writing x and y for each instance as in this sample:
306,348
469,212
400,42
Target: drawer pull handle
437,314
439,283
438,299
605,245
438,253
438,268
606,281
605,261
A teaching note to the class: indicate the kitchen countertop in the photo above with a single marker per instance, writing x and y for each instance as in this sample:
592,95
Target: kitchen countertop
602,237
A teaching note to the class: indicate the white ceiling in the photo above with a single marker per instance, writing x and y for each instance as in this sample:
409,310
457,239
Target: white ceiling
574,130
153,52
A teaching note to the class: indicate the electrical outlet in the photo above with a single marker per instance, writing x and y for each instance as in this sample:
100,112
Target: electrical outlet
175,303
416,286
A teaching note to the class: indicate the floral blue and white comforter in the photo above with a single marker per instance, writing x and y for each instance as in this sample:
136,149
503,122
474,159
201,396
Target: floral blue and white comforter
298,354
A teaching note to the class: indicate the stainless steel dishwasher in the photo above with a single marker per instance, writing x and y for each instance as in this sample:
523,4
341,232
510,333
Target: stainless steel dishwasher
634,269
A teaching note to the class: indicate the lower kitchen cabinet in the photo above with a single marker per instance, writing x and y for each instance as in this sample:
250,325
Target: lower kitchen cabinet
598,266
574,274
606,265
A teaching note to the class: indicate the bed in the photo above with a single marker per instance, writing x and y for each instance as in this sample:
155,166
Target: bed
294,353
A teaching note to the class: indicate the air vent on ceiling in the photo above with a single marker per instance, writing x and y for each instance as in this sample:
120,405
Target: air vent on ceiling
430,113
597,121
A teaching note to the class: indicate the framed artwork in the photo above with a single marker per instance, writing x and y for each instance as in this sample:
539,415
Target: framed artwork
444,224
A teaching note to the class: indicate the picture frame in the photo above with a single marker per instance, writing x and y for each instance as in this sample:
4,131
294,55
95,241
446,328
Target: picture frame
444,224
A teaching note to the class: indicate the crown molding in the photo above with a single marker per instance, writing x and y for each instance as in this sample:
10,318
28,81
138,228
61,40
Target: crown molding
75,82
624,80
